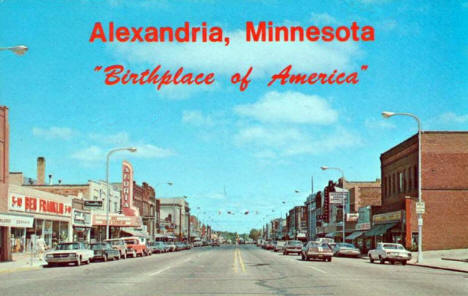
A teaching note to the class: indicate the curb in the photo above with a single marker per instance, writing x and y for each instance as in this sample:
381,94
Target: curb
20,269
438,267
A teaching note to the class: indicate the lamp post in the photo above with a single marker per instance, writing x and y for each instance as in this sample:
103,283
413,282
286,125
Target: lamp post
387,114
324,168
131,149
19,49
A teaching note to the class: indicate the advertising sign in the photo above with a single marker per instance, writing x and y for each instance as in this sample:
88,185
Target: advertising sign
81,218
127,189
338,197
363,222
93,203
30,204
387,217
9,220
352,217
117,220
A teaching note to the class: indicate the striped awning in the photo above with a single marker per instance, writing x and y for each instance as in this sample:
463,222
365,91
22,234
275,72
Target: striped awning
380,229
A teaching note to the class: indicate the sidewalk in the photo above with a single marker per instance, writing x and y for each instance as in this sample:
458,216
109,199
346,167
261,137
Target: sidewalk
454,260
21,262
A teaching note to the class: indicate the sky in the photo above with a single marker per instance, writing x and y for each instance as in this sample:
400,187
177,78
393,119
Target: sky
225,149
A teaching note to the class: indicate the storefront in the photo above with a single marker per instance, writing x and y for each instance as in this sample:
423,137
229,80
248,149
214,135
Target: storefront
363,225
387,227
51,214
116,222
82,223
17,222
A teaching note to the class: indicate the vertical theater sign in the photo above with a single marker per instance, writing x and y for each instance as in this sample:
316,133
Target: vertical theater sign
127,190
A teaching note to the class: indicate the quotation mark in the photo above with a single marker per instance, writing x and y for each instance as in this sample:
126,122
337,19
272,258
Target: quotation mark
98,68
364,67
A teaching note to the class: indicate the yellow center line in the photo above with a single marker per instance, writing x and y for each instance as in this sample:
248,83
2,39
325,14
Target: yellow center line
241,261
234,266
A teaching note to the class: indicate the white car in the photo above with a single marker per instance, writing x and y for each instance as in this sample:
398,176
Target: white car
389,252
64,253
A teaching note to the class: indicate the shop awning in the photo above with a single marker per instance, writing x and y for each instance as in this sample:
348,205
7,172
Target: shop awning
133,232
331,234
380,229
354,235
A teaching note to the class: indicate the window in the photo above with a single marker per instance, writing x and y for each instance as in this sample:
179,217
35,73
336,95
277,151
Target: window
416,177
401,184
410,179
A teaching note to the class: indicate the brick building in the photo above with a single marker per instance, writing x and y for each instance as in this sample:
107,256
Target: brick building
444,191
144,198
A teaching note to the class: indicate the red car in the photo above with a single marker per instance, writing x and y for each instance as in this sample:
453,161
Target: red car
136,244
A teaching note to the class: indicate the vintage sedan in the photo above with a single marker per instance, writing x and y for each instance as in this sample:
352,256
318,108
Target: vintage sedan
104,252
292,246
65,253
389,252
136,244
119,244
158,247
316,250
346,249
279,245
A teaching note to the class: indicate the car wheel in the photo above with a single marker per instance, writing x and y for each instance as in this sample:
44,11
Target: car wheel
403,262
303,257
371,259
49,265
392,262
382,261
330,259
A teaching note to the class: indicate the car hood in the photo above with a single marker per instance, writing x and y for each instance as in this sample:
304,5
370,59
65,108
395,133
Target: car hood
63,251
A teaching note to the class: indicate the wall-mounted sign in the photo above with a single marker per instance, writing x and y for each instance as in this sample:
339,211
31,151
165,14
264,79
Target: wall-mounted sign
9,220
30,204
352,217
117,220
387,217
81,218
338,197
93,203
127,189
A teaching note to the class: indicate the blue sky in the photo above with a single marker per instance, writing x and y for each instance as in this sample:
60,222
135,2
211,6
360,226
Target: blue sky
260,144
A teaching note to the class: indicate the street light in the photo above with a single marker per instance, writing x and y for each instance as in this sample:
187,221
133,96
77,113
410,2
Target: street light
387,114
19,49
324,168
131,149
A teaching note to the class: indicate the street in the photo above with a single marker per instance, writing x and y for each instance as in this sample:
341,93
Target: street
231,270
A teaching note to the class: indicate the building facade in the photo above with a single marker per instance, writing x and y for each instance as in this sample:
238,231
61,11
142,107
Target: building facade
175,217
444,167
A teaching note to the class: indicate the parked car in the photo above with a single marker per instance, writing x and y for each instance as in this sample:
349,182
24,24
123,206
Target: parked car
389,252
269,245
119,244
197,243
346,249
292,246
65,253
172,246
136,244
104,252
215,243
316,250
279,246
159,247
180,246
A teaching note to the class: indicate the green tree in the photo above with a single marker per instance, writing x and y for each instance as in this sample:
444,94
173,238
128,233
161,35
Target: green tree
254,234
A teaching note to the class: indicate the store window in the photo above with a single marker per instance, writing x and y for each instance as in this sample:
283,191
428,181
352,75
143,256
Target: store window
401,182
17,240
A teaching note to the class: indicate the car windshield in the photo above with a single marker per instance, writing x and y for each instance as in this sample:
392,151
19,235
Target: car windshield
393,247
131,242
324,246
346,246
295,243
62,247
115,243
98,246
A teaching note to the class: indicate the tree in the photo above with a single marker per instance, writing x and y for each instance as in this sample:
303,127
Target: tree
254,234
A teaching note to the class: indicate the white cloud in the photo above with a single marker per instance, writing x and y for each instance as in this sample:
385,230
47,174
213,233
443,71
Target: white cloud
270,137
120,138
266,58
196,118
450,117
323,19
63,133
151,151
91,154
374,123
289,107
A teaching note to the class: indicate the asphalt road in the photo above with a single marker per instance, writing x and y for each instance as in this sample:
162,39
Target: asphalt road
230,270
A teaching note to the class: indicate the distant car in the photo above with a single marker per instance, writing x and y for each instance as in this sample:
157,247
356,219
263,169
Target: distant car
316,250
346,249
171,246
180,246
292,246
64,253
269,245
104,252
215,244
389,252
119,244
197,244
136,244
279,246
158,247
